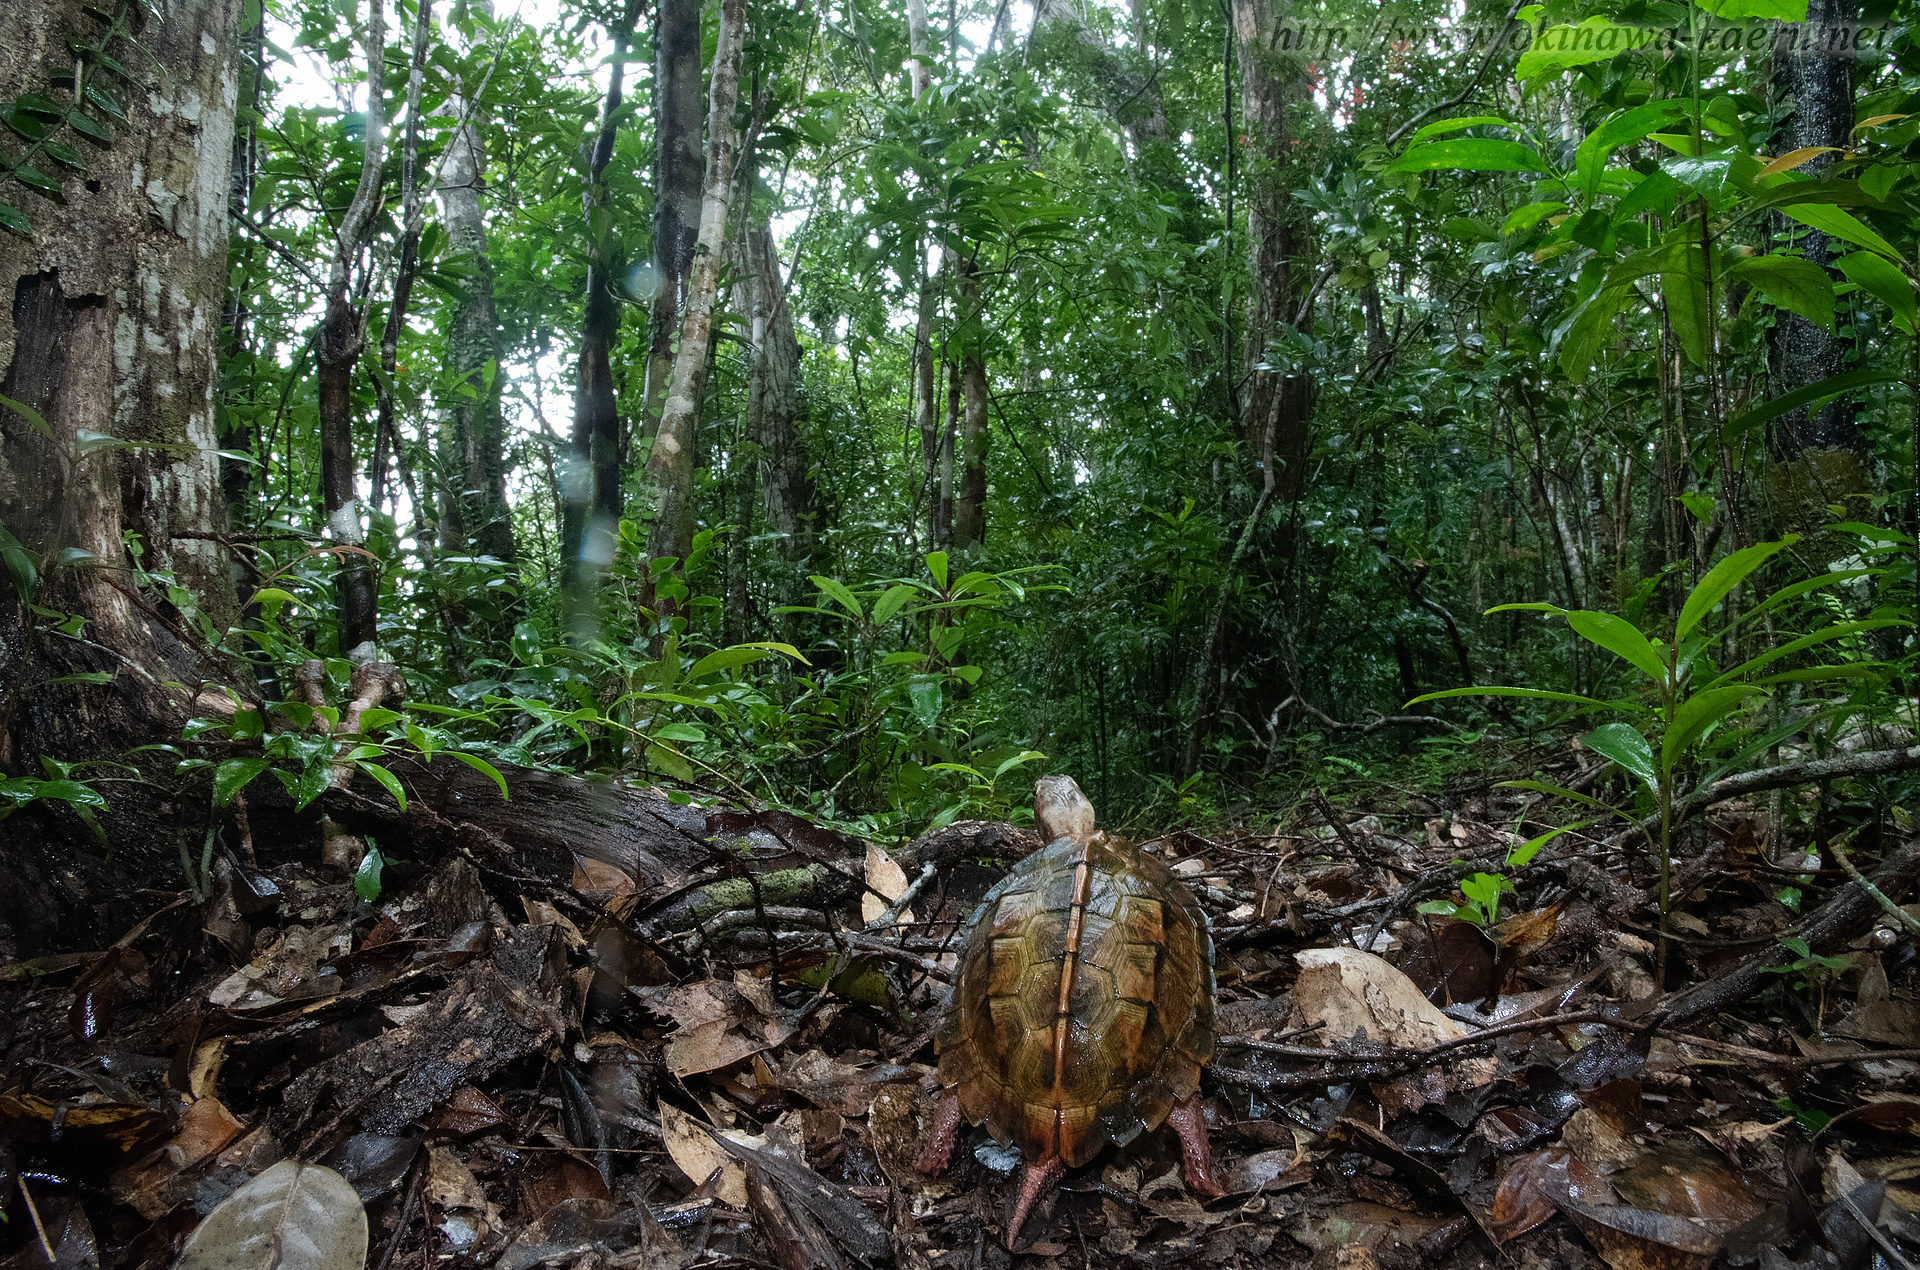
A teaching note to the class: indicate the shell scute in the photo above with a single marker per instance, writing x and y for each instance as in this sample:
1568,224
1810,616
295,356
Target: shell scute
1140,1003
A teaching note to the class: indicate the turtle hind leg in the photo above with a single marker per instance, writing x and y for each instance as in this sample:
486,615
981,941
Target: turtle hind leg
1196,1161
1035,1180
946,1125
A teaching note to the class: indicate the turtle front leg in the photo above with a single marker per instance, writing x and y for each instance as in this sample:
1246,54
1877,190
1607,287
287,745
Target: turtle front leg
1196,1161
1035,1180
946,1124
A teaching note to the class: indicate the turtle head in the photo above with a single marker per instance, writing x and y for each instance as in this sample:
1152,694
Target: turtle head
1060,810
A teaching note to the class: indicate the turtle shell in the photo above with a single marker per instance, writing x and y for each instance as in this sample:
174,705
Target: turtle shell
1064,1073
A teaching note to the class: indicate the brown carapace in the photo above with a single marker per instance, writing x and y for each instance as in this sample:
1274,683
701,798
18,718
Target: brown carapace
1083,1007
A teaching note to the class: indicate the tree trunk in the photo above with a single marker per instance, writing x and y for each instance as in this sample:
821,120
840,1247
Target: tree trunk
970,496
475,438
111,325
1819,90
1274,418
343,337
1275,421
677,172
671,462
773,404
590,518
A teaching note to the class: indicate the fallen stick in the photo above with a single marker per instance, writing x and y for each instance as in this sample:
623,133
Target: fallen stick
1829,929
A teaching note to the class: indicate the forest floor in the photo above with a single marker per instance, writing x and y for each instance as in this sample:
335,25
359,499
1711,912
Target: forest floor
510,1071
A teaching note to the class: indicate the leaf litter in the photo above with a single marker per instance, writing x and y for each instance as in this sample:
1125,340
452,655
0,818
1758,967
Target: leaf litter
604,1068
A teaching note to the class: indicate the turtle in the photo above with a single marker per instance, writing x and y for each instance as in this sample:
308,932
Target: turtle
1082,1008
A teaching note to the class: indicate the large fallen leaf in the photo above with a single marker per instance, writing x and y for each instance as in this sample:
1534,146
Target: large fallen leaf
1635,1239
698,1155
1354,996
292,1217
886,876
718,1026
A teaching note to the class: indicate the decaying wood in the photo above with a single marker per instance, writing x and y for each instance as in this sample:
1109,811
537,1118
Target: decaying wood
1830,929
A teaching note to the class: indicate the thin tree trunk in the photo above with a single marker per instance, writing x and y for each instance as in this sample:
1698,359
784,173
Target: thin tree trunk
677,172
590,523
671,463
475,440
385,429
343,338
970,496
791,501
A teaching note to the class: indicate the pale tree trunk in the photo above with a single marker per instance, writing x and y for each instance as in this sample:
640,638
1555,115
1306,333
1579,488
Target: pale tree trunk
677,172
970,494
670,465
773,404
945,510
1131,95
343,338
475,435
111,325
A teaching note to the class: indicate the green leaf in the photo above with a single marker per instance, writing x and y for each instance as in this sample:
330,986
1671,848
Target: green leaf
888,606
1840,630
1536,694
366,878
726,659
1571,795
1683,283
374,718
1445,908
1722,578
1621,638
1470,154
1623,128
1527,217
66,154
104,101
82,677
1024,756
937,566
387,781
1882,279
88,128
74,792
485,768
1771,10
233,775
37,180
312,781
1457,125
1521,856
837,591
1839,224
39,105
1558,48
15,219
1579,338
1794,284
1799,397
1695,715
669,760
33,417
1623,744
678,732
